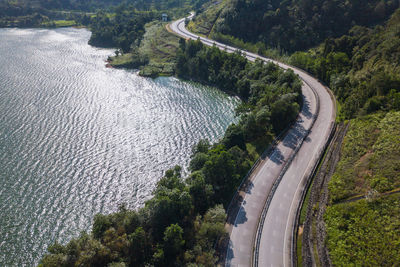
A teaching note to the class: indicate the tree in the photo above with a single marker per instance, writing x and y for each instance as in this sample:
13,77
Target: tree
201,147
283,112
220,172
100,225
212,227
170,204
201,192
198,161
139,247
234,136
173,243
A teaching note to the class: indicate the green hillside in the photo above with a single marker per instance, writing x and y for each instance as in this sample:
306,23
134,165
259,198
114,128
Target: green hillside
290,25
363,219
22,7
363,216
362,68
370,158
357,56
46,13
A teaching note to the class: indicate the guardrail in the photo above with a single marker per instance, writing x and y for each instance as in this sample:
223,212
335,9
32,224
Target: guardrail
270,149
304,193
293,250
277,139
277,182
264,155
242,187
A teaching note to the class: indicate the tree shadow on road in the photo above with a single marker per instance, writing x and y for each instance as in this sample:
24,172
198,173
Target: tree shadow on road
295,136
306,110
248,186
276,157
229,254
241,216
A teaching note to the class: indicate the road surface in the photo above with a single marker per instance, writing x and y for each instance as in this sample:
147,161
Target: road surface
262,231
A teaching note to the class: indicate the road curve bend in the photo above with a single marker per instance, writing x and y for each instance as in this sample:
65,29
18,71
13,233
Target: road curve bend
261,233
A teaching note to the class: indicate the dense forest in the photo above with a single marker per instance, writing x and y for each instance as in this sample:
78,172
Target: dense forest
122,30
24,7
362,68
292,25
184,221
41,13
252,82
357,55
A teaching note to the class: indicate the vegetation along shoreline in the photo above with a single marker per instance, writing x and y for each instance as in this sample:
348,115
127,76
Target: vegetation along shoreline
350,215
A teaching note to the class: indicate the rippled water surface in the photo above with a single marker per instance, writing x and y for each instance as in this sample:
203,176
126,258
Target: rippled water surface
77,138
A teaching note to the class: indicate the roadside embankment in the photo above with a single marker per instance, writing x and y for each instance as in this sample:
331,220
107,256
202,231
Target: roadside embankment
313,232
353,211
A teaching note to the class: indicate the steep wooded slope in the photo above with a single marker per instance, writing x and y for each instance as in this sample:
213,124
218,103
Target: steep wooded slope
291,25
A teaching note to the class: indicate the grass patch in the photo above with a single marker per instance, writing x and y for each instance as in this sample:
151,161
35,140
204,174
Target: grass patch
303,211
352,170
370,157
65,23
366,232
299,248
156,54
204,22
340,116
160,47
122,60
59,23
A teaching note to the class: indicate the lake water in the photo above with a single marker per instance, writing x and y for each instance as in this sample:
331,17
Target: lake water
77,138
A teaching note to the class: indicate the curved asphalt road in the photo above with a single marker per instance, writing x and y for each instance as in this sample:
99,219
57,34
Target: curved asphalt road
291,163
